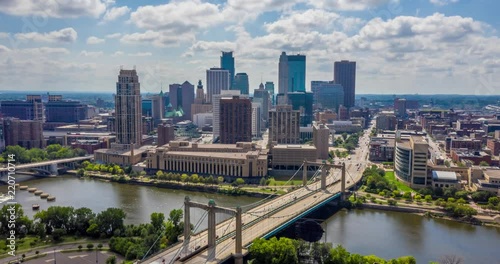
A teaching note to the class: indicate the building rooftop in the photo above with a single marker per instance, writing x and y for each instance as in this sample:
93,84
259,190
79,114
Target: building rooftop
444,176
492,173
283,146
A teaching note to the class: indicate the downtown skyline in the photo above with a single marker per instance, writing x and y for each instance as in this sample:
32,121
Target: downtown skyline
430,46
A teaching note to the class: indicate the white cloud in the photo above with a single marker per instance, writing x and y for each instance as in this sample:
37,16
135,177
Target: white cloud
65,35
4,35
95,40
114,35
157,38
141,54
4,49
443,2
44,51
91,54
350,5
115,12
117,53
53,8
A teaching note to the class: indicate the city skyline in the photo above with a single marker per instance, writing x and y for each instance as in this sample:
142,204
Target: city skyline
434,46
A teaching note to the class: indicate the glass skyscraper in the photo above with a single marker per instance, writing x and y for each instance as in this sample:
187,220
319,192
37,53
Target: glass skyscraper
241,83
227,63
296,73
344,73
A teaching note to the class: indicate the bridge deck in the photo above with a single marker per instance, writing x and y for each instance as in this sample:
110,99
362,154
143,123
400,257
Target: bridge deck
258,222
47,163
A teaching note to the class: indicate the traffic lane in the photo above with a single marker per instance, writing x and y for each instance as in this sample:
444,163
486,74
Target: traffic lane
82,257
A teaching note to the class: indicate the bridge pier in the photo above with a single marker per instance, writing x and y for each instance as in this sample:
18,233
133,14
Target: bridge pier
238,254
187,225
323,177
342,182
53,168
211,230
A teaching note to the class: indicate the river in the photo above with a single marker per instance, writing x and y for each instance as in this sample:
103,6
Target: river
385,234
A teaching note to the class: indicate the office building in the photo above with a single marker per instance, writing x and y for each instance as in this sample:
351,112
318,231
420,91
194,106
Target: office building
241,83
235,120
216,110
204,121
291,73
291,157
494,146
25,133
65,111
147,107
200,105
158,109
321,140
327,94
166,133
181,99
269,86
400,107
382,149
256,119
386,121
218,80
128,109
410,161
302,101
344,73
284,123
343,113
231,161
262,96
30,109
283,74
227,63
296,73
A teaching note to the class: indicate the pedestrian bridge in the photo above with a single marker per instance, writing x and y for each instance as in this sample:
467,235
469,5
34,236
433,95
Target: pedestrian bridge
230,238
45,168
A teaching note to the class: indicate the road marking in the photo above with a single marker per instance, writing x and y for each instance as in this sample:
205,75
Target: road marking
77,256
49,260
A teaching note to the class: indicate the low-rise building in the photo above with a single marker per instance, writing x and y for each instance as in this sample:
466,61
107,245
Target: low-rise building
291,157
474,157
382,149
494,146
241,160
486,180
121,156
445,179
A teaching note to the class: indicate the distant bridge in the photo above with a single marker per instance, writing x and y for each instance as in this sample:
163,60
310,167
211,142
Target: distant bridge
45,168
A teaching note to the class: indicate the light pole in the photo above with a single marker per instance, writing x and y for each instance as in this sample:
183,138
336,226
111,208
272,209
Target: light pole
54,256
96,257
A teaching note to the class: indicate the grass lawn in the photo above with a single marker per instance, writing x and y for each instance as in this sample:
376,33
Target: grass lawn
274,182
389,175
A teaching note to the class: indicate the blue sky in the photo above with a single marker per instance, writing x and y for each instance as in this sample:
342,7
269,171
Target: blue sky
400,46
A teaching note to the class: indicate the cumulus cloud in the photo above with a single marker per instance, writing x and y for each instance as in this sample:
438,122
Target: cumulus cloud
114,35
141,54
91,54
95,40
115,12
54,8
65,35
156,38
349,5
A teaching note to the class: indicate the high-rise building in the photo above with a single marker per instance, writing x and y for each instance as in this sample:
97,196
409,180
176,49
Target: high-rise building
158,110
25,133
410,160
296,73
235,120
128,109
283,74
227,63
147,107
218,80
291,73
302,101
216,109
321,137
181,99
386,121
284,125
166,133
200,105
327,94
256,119
344,73
269,86
400,107
241,83
343,113
262,95
57,110
30,109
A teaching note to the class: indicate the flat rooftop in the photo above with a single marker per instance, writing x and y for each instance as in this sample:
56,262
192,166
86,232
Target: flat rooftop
293,147
492,173
444,176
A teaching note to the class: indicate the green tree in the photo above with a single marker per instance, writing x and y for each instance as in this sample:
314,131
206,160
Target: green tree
220,179
157,220
110,220
428,198
484,163
111,260
493,200
273,251
239,181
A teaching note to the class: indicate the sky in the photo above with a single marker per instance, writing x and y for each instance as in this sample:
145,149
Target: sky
400,46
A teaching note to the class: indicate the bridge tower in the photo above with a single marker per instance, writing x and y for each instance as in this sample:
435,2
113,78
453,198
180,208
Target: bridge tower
212,209
324,173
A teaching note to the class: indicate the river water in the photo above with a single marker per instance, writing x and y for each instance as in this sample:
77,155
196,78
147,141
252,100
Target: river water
386,234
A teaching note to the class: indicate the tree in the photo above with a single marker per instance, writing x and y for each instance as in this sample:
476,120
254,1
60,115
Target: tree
239,182
82,218
273,251
157,220
90,246
109,221
111,260
220,179
494,201
484,163
481,196
451,259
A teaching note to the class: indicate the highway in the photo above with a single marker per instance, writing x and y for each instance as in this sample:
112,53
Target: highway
264,218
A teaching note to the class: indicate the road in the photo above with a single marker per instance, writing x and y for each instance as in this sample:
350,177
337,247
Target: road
48,162
272,214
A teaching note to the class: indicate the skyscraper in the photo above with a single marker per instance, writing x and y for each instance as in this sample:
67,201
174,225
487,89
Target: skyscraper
235,120
128,109
227,63
283,74
181,98
269,86
284,125
327,94
296,73
218,79
303,102
256,118
216,109
241,83
344,73
262,95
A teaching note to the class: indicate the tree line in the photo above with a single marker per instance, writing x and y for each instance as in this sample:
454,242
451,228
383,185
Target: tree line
51,152
131,241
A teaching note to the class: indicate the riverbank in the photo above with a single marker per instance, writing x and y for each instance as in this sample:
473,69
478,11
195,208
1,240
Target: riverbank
207,188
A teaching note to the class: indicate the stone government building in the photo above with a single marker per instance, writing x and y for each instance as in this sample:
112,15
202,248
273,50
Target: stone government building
231,161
